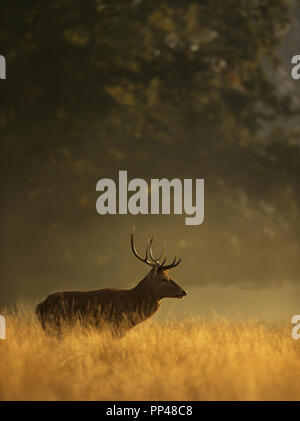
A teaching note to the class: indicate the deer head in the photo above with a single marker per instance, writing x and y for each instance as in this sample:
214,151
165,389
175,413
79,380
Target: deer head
158,282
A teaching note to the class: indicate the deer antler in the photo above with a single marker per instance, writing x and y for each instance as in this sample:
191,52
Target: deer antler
156,261
149,253
172,265
145,260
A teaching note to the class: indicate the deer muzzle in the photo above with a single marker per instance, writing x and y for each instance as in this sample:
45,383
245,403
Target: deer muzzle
181,294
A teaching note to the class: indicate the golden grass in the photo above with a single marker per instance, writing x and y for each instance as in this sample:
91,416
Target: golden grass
212,359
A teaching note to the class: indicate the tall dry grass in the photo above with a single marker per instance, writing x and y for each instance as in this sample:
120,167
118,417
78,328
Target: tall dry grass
212,359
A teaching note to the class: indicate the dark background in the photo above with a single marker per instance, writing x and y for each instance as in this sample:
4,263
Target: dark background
193,89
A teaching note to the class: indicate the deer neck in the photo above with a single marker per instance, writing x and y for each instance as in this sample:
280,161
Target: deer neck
144,292
146,301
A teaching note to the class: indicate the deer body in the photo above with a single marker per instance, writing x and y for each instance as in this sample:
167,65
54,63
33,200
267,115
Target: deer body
118,309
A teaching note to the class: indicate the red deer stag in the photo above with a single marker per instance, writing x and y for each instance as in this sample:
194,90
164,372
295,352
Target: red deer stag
119,309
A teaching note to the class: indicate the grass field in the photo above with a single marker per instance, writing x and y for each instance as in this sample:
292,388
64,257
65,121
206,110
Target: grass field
212,359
